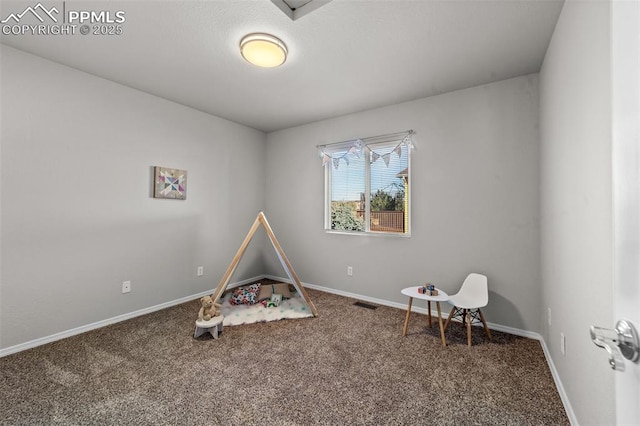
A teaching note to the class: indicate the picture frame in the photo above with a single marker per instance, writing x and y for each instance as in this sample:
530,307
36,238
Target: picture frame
169,183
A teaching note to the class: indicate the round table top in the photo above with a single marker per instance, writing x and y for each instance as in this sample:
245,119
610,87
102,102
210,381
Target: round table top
413,292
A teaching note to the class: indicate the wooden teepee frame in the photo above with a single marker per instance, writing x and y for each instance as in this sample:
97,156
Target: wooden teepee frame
262,220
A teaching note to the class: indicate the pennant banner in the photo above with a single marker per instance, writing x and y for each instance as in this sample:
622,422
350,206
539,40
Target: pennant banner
359,147
386,159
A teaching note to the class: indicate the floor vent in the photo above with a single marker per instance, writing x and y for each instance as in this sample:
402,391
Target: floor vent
365,305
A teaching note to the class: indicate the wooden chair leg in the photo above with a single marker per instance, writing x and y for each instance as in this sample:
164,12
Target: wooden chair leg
446,324
486,329
467,315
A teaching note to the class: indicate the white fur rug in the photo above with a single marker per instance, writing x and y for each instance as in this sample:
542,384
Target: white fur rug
295,307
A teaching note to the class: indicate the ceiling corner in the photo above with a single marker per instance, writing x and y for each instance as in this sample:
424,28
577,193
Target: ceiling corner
296,9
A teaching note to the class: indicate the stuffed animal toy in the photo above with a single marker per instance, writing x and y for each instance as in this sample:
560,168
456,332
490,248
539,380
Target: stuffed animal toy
209,309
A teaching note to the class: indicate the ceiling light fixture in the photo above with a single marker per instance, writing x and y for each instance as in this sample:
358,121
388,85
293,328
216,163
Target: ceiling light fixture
263,50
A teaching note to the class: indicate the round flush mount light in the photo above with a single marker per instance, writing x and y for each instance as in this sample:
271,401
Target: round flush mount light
263,50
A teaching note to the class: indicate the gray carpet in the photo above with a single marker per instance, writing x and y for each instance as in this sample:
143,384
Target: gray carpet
351,365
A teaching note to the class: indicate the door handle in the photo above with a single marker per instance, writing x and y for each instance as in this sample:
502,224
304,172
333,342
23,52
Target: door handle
620,343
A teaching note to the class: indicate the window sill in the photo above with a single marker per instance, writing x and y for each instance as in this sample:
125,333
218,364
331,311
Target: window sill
368,234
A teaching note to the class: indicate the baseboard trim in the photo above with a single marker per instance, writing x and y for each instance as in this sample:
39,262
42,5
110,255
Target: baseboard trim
109,321
403,306
556,378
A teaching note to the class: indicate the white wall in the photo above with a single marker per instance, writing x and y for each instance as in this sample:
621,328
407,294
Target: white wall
576,204
474,193
77,215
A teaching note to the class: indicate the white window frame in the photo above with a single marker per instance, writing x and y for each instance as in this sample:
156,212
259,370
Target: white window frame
328,167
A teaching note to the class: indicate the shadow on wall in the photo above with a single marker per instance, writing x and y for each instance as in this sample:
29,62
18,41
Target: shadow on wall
502,311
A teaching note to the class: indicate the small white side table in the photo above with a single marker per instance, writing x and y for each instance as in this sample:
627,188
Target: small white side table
412,292
212,326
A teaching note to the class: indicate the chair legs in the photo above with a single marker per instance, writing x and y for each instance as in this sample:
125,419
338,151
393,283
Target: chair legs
467,317
484,323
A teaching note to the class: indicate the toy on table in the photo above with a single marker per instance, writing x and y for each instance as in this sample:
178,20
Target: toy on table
428,289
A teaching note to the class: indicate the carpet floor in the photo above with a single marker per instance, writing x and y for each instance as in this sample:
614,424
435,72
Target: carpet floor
350,365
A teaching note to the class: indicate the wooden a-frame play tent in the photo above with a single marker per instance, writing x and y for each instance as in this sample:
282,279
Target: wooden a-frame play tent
293,277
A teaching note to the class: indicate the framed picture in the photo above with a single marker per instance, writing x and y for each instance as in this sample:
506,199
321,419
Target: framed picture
170,183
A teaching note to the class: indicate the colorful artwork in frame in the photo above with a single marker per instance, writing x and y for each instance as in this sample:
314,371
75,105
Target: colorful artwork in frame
170,183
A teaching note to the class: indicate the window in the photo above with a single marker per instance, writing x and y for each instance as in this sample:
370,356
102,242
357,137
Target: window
367,185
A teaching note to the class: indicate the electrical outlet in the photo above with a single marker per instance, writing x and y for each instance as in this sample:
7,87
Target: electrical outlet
549,316
126,286
563,344
349,271
200,271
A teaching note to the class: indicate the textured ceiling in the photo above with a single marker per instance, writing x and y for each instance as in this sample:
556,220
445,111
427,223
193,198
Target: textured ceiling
345,56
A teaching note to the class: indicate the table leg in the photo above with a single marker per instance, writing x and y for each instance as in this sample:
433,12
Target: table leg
429,311
444,342
406,318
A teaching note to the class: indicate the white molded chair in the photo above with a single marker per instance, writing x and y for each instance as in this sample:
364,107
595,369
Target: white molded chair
473,295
